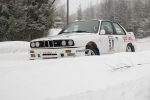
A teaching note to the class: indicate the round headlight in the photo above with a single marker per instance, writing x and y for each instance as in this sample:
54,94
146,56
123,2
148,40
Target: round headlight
32,44
63,43
70,42
37,44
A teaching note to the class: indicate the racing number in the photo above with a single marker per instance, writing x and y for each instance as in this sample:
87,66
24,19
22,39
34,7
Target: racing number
111,43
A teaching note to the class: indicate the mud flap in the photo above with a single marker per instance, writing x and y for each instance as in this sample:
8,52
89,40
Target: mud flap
97,50
132,48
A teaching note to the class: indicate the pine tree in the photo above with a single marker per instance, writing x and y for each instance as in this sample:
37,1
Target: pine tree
4,20
79,13
98,10
39,17
25,19
86,14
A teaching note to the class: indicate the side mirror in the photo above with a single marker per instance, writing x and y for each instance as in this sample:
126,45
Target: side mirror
103,32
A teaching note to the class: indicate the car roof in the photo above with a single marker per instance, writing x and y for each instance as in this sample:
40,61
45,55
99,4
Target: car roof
91,20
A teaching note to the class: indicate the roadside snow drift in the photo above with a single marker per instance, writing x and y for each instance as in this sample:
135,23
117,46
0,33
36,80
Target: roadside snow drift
120,76
14,50
14,46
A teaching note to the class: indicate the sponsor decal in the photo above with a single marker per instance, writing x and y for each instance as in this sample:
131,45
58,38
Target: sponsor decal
127,38
80,50
110,36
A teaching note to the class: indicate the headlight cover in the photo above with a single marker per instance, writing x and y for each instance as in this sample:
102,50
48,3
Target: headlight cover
70,43
32,44
37,44
63,43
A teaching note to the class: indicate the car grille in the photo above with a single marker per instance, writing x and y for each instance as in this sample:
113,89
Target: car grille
46,43
50,43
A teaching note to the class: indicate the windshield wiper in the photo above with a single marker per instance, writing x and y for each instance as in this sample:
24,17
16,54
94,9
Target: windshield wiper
64,32
80,31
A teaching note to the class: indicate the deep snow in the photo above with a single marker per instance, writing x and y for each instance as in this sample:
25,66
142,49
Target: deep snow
119,76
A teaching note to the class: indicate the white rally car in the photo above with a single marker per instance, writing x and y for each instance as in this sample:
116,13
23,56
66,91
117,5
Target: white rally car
84,38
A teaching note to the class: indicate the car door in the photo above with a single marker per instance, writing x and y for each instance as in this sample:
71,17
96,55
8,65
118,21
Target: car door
121,35
109,43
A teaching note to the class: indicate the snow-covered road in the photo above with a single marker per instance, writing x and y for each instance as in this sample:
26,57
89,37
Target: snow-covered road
119,76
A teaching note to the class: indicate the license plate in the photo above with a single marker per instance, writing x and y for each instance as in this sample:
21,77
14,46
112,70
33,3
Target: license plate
71,54
49,52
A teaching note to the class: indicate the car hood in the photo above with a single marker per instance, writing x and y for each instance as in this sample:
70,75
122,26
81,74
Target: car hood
68,36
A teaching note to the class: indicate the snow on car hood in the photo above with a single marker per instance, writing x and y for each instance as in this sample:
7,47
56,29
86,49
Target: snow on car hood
69,36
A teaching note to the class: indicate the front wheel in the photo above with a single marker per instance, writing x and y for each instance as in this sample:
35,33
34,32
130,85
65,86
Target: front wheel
90,51
130,48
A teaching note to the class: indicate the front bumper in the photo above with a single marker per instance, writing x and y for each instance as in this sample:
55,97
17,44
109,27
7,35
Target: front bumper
54,53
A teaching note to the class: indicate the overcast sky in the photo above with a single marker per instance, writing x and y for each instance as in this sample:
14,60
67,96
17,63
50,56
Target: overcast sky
73,4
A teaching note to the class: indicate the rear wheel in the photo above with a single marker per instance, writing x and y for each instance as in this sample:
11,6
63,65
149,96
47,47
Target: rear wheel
90,51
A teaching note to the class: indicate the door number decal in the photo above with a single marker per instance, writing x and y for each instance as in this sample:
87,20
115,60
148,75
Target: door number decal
111,43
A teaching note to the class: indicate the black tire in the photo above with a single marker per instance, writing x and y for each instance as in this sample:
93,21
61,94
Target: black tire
90,51
130,48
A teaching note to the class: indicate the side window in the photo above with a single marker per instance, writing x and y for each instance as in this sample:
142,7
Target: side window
107,27
119,30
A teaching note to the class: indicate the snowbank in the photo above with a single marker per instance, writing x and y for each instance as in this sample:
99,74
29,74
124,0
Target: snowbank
14,46
133,90
118,76
14,50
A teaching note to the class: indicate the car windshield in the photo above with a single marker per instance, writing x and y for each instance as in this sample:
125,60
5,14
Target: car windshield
82,27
